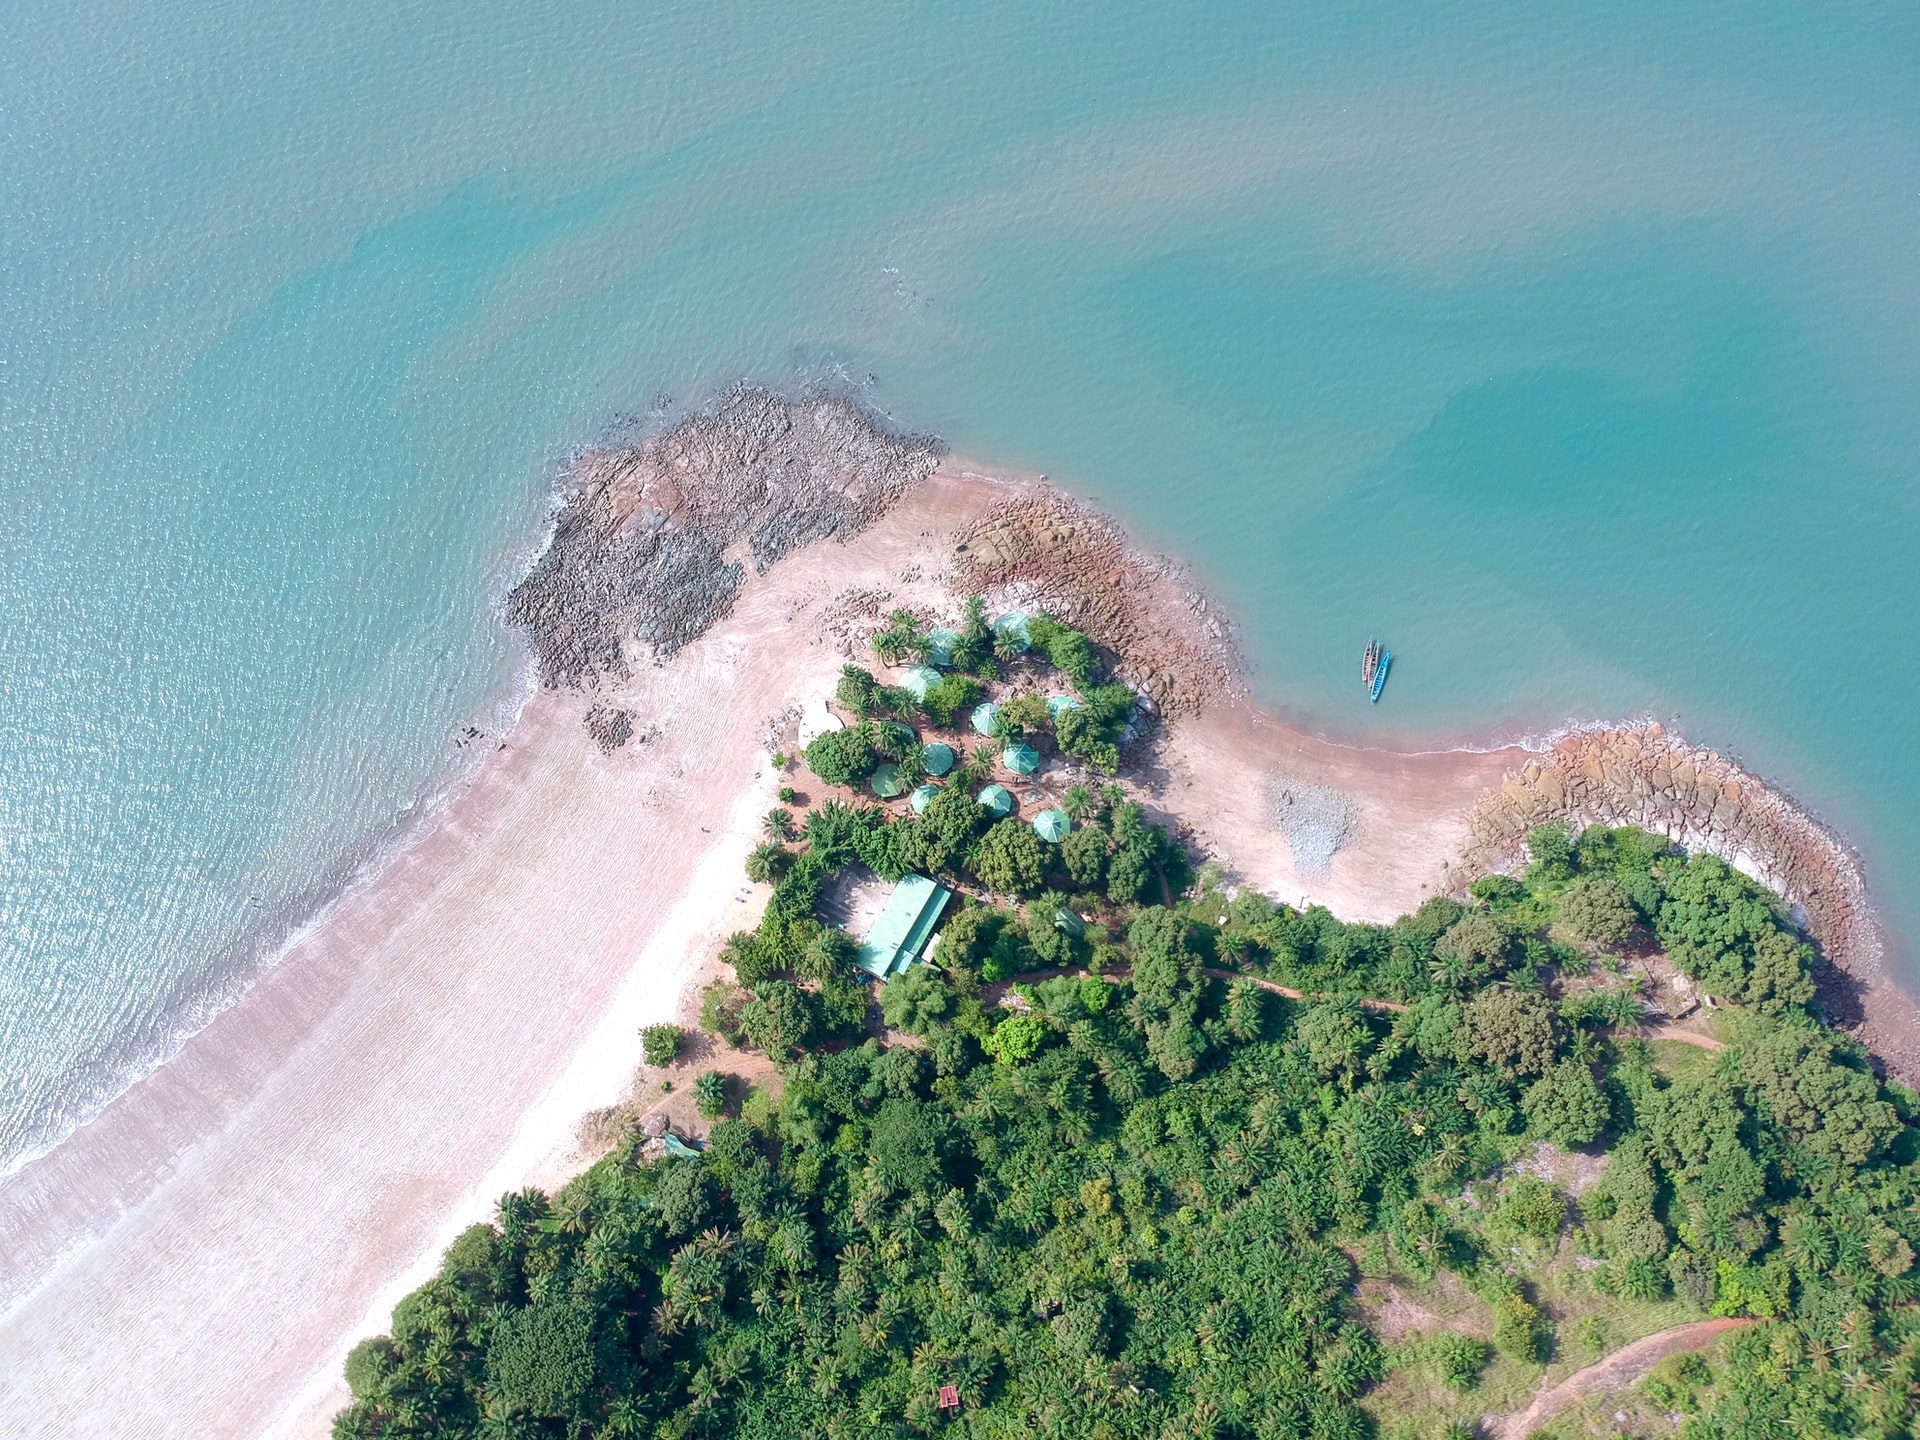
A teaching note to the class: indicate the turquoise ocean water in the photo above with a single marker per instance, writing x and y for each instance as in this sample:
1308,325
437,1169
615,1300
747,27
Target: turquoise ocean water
1574,353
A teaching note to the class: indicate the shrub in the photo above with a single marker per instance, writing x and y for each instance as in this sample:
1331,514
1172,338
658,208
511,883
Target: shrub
710,1093
541,1359
1517,1329
1596,911
842,757
1534,1208
1016,1039
661,1044
1456,1360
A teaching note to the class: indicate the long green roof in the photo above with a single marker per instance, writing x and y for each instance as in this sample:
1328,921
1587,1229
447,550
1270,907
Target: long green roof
901,933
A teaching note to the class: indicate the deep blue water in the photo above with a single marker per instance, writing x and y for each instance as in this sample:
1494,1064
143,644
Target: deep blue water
1572,352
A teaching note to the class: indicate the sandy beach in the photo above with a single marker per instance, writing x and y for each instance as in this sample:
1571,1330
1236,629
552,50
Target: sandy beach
197,1261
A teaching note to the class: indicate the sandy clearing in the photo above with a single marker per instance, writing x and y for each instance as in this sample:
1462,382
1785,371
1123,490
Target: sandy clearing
1617,1371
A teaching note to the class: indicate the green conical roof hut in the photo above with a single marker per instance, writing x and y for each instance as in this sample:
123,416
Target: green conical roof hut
895,738
1012,628
941,644
922,797
1058,705
998,799
885,782
1021,758
937,758
1066,922
920,679
986,718
1052,825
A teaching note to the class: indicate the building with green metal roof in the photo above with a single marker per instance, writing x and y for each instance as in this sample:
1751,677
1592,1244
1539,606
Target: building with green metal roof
885,782
937,758
986,718
922,797
904,927
998,799
920,679
1052,825
1020,758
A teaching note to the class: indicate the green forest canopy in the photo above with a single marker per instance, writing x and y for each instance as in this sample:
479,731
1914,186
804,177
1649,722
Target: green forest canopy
1139,1206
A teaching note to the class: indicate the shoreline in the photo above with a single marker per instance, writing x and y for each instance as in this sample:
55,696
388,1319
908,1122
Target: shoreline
437,1034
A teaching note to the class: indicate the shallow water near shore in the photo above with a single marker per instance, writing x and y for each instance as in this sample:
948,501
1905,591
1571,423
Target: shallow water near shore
1573,357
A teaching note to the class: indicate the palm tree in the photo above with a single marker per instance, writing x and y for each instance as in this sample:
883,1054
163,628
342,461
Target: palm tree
1077,802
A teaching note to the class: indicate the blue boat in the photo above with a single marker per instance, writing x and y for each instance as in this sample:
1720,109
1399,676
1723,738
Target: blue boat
1379,681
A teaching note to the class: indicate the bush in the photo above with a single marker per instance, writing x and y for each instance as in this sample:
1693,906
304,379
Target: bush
710,1094
541,1360
1456,1360
661,1044
1016,1039
1565,1106
1009,859
1534,1208
1518,1331
843,757
1596,911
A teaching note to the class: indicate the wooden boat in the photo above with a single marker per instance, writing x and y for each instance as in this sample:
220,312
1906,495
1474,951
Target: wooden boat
1379,681
1369,664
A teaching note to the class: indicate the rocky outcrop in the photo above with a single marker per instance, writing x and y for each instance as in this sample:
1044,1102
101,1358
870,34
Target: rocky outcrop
1642,775
1168,641
652,541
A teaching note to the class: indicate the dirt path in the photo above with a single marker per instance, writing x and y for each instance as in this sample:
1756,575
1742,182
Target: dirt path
1615,1372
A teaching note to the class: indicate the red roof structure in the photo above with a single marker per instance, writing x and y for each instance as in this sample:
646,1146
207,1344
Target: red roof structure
949,1397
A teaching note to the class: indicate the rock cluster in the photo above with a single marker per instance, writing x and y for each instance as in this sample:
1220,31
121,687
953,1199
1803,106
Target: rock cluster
1171,645
1642,775
1317,821
651,544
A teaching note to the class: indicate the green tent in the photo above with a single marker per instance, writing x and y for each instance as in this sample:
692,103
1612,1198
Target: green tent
998,799
986,718
1012,629
1020,758
920,679
1058,705
922,797
1052,825
885,782
937,758
941,644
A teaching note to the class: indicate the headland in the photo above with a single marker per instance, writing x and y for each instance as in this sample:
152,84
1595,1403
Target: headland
439,1035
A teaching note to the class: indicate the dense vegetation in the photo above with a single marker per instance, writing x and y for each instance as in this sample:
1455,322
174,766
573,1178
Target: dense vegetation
1133,1198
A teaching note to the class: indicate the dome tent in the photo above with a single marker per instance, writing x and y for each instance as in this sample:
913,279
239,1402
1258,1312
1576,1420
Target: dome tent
1052,825
1020,758
986,718
937,758
920,679
940,646
885,782
1011,629
998,799
922,797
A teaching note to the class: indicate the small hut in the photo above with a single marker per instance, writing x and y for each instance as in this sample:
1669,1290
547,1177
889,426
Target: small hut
885,782
920,679
998,799
922,797
1011,629
1052,825
937,758
1021,758
986,718
1058,705
940,646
